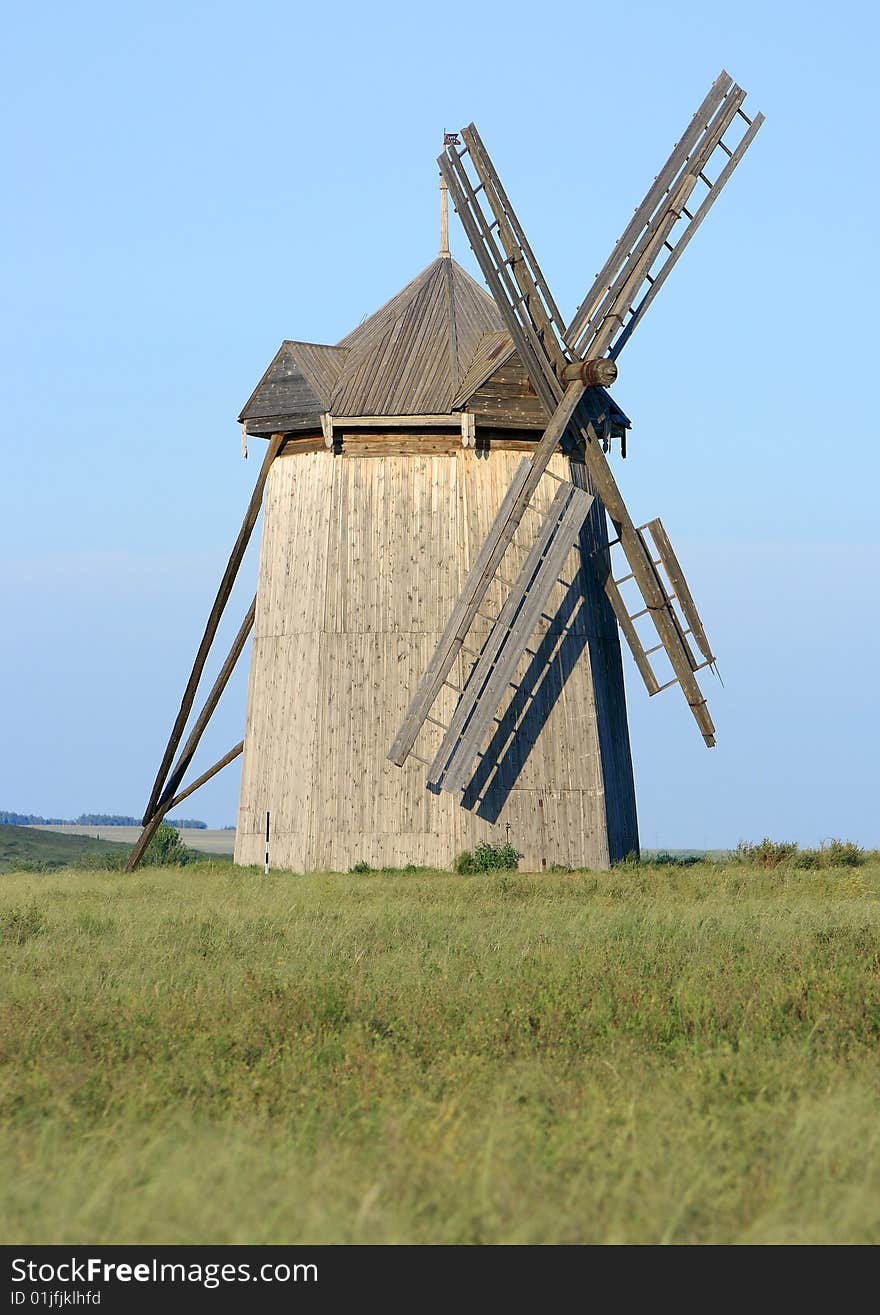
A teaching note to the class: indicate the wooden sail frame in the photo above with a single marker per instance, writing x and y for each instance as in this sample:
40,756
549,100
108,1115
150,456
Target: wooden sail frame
602,325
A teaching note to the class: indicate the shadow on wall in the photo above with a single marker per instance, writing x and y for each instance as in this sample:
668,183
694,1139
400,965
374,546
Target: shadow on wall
583,620
528,710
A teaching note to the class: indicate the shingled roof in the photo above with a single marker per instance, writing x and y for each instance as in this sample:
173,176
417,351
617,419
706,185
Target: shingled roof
409,358
426,352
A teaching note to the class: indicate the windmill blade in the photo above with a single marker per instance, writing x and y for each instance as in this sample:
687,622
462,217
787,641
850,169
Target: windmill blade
510,270
529,317
667,559
602,324
521,261
643,570
608,314
656,281
644,212
484,570
495,666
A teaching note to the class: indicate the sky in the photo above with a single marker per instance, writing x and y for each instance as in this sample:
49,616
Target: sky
188,184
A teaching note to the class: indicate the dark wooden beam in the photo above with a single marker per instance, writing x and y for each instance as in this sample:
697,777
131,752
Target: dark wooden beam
152,826
206,776
150,829
276,443
186,755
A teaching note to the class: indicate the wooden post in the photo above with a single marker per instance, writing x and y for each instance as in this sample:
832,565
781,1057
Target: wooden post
444,217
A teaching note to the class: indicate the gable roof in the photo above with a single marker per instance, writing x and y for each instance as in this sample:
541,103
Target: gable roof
492,351
297,385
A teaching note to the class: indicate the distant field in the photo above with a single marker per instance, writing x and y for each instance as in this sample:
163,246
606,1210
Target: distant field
646,1055
207,842
24,844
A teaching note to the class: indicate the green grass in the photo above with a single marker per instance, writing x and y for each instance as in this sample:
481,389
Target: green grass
24,847
647,1055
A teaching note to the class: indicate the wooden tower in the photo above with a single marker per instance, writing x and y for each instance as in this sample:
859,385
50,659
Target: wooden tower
436,655
402,442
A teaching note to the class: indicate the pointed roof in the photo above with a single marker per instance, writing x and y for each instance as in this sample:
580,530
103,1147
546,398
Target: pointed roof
409,358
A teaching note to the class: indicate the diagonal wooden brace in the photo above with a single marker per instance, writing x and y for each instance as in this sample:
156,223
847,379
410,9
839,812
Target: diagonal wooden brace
276,443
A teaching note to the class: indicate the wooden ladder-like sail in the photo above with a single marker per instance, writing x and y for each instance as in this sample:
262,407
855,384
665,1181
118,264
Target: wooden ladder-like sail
645,254
563,366
496,664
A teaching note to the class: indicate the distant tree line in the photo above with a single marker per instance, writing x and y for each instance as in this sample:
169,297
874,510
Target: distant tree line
91,819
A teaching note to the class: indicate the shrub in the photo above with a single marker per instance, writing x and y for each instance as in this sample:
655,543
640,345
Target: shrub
166,849
488,857
768,854
843,854
774,854
361,866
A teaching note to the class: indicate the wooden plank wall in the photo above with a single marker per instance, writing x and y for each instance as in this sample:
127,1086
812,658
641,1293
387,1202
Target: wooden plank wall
361,563
508,400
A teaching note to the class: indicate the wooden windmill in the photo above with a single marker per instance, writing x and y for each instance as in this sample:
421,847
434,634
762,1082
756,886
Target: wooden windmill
436,571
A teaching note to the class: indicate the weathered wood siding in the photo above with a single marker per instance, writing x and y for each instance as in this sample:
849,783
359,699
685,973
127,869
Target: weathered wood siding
362,560
508,400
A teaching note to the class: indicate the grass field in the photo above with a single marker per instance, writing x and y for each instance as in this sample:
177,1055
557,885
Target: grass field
645,1055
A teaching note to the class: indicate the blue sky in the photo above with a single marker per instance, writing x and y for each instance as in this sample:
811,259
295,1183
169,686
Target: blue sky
189,184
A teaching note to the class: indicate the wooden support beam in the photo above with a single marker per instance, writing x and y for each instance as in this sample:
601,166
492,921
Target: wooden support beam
150,829
206,776
153,825
276,443
445,421
186,755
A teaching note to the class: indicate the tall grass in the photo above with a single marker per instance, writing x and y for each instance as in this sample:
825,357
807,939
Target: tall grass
664,1054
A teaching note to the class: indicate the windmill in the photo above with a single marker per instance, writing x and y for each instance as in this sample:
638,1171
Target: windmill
455,439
